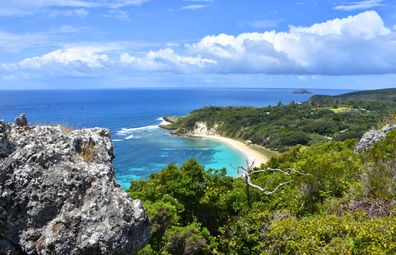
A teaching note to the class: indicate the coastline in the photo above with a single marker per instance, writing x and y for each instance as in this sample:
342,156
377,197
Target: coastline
251,153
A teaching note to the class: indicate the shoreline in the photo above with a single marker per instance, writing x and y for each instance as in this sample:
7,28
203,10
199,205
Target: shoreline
251,154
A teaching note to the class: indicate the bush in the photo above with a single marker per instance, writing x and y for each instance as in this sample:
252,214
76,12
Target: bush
331,235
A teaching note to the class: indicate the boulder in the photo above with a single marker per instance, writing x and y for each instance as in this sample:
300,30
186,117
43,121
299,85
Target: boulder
21,121
372,137
59,195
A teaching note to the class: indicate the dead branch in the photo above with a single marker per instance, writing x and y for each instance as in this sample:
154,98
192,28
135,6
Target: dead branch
248,171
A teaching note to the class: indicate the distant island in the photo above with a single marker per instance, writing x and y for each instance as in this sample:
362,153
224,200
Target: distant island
302,91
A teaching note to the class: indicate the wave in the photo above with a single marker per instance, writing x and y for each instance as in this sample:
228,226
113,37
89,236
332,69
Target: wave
130,132
131,137
163,121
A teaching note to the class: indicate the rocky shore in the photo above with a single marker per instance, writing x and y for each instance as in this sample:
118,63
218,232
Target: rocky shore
59,195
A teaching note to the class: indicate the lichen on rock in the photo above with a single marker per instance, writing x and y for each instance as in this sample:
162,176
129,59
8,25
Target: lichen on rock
371,137
59,195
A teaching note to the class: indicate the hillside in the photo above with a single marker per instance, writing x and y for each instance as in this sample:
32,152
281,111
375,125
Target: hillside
320,119
334,195
367,97
329,198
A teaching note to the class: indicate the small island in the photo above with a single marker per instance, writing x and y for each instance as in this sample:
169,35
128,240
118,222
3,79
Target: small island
301,91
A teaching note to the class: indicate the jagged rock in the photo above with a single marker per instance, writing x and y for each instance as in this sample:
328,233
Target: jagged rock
59,195
21,121
371,137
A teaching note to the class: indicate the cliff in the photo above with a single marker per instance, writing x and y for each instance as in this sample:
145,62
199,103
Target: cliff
202,129
59,195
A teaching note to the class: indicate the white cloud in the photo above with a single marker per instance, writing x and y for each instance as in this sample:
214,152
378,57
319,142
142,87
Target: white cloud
359,44
194,7
16,42
73,12
90,57
11,42
29,7
166,60
367,25
356,45
359,5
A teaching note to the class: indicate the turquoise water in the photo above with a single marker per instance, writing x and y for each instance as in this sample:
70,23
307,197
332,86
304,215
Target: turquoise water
212,152
133,117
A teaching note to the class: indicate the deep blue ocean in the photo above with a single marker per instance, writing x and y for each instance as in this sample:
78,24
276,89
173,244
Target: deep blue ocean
133,115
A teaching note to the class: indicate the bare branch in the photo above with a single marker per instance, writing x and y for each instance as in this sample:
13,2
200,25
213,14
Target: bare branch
249,170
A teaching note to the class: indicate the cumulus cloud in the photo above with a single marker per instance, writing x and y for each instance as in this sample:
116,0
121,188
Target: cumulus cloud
356,45
166,60
359,44
76,57
359,5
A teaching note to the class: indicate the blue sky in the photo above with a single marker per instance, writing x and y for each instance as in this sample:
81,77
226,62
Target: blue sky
78,44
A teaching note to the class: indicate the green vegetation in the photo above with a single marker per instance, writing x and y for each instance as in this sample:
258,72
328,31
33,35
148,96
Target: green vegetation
172,121
327,199
343,204
321,119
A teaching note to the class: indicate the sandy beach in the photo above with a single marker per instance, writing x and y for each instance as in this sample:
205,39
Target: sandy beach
250,153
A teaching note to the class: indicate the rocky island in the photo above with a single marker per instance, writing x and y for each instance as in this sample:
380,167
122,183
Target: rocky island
59,195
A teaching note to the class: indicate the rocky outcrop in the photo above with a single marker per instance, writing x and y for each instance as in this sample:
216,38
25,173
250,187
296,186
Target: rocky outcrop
202,129
59,195
372,137
21,120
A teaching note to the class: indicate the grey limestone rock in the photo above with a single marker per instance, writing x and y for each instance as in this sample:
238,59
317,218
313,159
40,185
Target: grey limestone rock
21,120
371,137
59,195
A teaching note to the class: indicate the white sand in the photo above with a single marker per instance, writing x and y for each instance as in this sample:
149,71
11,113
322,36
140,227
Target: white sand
250,154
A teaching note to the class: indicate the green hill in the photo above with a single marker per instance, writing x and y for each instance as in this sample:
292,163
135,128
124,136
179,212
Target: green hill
320,119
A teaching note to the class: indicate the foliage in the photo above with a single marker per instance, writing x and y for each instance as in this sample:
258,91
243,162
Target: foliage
322,118
380,168
331,234
343,204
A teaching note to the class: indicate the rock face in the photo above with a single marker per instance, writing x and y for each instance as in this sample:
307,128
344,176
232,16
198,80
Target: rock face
371,137
201,129
58,194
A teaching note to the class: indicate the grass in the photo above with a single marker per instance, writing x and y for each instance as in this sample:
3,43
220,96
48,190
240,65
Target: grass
65,129
87,152
341,109
266,152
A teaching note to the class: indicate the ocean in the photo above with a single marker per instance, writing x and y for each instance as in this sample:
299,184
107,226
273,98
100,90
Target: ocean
134,115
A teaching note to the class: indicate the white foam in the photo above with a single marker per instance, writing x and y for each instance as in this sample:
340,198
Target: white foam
163,121
129,137
127,131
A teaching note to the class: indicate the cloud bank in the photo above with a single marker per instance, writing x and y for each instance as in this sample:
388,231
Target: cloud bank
356,45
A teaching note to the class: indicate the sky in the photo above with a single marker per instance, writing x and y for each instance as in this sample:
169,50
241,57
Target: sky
83,44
